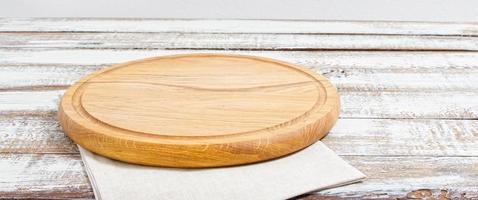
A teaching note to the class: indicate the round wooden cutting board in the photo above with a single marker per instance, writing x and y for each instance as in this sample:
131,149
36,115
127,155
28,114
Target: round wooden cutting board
199,110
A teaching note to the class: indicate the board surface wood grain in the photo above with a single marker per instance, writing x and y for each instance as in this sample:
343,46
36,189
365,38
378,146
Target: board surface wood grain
199,110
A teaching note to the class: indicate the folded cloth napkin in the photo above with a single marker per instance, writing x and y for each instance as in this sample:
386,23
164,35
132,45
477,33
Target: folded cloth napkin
311,169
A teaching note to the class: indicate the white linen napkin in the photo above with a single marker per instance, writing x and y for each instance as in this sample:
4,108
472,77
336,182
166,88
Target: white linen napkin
314,168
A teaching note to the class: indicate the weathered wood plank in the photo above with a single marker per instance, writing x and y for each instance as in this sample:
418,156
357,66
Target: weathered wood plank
359,71
388,176
374,137
42,102
43,176
233,26
42,76
57,76
436,104
234,41
418,104
423,193
398,137
33,134
352,59
62,176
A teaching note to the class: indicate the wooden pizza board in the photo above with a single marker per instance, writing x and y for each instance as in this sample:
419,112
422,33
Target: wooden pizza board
199,110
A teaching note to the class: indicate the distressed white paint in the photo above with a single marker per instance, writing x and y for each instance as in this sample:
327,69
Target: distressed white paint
25,77
41,101
412,61
369,71
234,26
345,77
42,176
392,137
440,104
411,173
401,185
33,134
235,41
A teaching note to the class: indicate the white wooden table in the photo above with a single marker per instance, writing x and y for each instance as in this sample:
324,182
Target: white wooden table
409,94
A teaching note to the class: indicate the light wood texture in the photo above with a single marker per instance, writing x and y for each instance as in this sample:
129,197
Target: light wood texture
355,104
199,110
235,26
62,176
36,132
425,147
237,41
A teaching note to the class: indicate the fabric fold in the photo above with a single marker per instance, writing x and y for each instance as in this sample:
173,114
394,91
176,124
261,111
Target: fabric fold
311,169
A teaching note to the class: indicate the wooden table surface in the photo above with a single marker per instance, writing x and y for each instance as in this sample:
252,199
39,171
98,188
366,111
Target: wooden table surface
409,94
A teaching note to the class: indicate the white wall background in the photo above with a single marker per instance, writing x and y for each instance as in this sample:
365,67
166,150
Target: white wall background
402,10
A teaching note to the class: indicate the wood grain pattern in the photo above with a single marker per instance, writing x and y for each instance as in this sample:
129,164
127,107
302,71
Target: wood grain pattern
235,26
410,60
355,104
406,157
236,41
37,133
461,77
360,71
199,110
63,177
38,176
34,133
